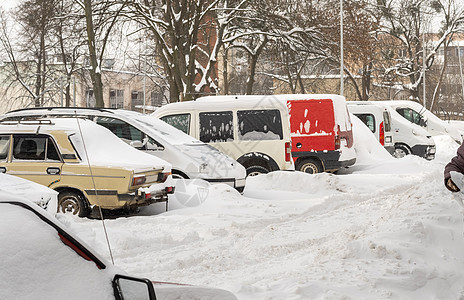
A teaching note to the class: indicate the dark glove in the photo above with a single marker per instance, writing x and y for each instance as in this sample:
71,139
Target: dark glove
451,186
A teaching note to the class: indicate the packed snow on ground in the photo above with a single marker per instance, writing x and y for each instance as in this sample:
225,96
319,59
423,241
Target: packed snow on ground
384,228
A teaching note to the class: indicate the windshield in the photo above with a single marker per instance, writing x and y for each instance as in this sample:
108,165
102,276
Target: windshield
165,131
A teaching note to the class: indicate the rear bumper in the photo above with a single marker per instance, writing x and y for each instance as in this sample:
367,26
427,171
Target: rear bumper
238,184
330,159
425,151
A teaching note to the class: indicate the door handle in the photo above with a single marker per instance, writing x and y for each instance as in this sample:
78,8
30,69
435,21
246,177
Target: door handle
2,169
53,170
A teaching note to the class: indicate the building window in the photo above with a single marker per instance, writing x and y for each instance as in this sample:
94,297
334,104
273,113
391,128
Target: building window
136,99
157,98
116,98
90,98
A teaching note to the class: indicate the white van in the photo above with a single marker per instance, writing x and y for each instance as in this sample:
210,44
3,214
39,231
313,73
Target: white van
418,114
189,157
254,130
377,118
408,137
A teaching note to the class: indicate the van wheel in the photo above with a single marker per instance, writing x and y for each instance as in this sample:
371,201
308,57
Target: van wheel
72,203
310,166
401,151
256,170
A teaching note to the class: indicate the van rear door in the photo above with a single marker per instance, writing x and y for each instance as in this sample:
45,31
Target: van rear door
312,125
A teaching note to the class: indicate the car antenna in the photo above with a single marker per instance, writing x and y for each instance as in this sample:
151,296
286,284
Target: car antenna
95,188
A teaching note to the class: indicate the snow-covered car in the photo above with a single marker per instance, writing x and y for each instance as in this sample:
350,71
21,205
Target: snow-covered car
41,195
190,158
88,165
42,260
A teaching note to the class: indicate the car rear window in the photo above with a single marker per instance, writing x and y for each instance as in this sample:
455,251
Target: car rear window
263,124
216,127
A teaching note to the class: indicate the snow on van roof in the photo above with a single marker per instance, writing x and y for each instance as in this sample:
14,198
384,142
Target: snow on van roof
212,103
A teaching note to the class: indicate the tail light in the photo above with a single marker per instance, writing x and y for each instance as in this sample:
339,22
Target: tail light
139,180
163,176
288,151
337,138
169,190
381,135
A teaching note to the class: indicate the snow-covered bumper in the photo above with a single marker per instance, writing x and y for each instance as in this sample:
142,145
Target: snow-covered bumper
157,192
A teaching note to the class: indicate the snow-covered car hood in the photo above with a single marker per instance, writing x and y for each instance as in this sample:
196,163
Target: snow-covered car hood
26,189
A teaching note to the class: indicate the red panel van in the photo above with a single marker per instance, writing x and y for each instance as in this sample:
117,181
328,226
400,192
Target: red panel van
321,133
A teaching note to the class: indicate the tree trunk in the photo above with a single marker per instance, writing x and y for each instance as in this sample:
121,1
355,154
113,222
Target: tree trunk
95,71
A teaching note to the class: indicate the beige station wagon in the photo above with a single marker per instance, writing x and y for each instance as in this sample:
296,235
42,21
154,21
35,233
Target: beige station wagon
88,165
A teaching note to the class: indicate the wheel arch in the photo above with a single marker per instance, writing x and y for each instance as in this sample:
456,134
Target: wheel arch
404,145
180,173
75,190
258,159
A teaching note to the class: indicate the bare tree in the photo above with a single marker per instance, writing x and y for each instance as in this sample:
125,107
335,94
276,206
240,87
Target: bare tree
188,36
405,23
100,17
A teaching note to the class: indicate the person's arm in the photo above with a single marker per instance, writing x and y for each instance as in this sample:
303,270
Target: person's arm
456,164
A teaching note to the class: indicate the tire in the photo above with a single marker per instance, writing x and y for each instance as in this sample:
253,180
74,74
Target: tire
256,170
310,166
401,151
72,203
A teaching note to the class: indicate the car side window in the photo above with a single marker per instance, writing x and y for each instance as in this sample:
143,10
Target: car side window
4,147
180,121
52,152
121,129
260,124
41,148
216,127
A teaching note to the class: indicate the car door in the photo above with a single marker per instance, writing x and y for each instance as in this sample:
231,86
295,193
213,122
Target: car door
34,157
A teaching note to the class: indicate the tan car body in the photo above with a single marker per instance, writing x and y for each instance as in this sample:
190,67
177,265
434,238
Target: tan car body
109,187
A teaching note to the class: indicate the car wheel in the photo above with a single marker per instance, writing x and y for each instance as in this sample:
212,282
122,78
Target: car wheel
256,170
310,166
72,203
401,151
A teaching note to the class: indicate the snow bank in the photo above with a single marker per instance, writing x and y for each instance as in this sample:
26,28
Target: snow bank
383,229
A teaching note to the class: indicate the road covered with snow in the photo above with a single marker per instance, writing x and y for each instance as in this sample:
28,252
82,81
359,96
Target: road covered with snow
383,229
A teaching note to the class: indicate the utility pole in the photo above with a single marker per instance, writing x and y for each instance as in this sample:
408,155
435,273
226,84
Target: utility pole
341,49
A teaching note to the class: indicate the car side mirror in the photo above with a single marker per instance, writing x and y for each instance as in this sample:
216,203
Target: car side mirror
132,288
136,144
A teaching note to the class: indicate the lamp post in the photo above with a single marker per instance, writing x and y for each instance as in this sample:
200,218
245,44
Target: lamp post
341,49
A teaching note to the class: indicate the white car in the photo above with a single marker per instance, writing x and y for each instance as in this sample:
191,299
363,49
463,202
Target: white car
41,260
37,193
190,158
